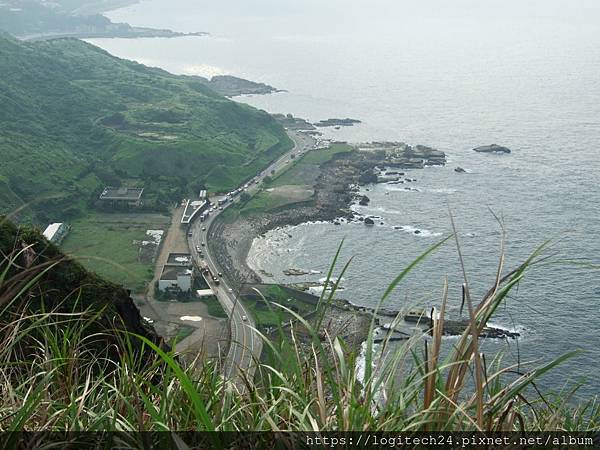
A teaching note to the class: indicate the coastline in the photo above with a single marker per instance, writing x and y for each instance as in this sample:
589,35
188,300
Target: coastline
234,238
336,190
84,22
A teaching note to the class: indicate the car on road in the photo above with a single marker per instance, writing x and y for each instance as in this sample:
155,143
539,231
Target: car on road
203,228
202,243
245,318
198,249
220,274
230,290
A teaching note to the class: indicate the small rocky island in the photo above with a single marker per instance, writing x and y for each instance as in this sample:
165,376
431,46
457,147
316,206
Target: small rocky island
491,149
337,123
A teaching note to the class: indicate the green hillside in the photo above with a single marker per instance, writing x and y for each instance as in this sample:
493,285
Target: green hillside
75,118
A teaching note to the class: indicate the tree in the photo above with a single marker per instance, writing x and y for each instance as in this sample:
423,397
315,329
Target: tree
244,197
267,180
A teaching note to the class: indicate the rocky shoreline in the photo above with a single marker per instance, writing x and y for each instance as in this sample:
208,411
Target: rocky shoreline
336,189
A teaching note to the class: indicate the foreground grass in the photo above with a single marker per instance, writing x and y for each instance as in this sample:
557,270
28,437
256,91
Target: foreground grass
306,384
262,303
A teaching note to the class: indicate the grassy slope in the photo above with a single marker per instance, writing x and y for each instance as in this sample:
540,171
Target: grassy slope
75,118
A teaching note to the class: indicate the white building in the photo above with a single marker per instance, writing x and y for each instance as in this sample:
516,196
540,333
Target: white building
174,277
56,232
177,274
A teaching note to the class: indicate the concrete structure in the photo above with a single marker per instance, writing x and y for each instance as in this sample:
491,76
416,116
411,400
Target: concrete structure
179,259
192,209
122,196
56,232
175,278
202,195
177,273
205,293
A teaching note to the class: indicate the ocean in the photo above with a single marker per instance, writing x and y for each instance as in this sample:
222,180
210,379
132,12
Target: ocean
453,76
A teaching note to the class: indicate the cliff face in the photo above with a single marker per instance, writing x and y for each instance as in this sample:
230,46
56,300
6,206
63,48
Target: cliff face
39,278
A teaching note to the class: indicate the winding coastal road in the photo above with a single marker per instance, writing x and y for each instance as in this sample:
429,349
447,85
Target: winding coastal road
246,344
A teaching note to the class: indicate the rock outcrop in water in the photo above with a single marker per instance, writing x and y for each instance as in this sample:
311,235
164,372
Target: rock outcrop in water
337,123
492,149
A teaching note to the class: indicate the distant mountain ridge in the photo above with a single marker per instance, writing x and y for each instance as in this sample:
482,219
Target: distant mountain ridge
75,118
38,19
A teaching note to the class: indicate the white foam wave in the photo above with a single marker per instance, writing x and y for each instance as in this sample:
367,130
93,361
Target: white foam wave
440,190
422,232
397,188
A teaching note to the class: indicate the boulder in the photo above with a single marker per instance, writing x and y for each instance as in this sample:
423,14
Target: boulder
367,177
460,170
369,221
364,200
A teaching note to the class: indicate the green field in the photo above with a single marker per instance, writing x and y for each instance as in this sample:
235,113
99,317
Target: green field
214,307
103,243
318,157
183,332
294,184
271,315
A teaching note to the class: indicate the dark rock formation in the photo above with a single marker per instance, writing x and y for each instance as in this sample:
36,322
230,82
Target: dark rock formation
369,221
367,177
364,200
457,327
460,170
337,123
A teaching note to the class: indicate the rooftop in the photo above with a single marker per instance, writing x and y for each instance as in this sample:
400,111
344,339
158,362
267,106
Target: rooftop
172,272
204,292
51,230
179,259
121,193
191,208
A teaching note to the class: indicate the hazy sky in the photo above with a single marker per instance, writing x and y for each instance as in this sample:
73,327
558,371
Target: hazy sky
269,16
